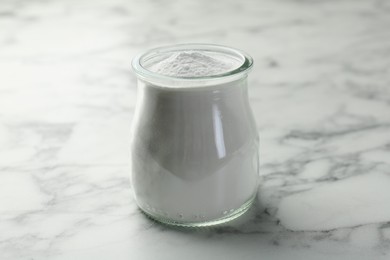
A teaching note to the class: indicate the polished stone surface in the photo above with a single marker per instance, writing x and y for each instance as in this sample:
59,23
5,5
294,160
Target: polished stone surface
320,91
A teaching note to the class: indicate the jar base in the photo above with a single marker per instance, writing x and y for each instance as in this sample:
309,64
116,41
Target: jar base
227,218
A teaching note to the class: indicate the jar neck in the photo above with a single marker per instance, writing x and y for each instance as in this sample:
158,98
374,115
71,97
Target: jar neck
143,63
238,87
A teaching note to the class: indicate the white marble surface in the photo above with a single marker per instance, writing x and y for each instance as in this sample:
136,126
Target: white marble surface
320,91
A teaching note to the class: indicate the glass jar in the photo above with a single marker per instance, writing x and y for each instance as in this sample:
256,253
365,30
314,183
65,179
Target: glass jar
194,145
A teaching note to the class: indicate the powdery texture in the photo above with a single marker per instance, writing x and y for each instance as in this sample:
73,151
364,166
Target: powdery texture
194,64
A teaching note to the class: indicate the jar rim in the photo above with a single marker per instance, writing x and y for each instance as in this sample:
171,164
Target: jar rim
198,81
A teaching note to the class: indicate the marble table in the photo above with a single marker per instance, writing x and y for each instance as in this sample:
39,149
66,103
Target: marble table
320,91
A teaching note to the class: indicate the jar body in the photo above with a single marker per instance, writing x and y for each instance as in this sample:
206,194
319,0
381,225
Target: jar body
194,153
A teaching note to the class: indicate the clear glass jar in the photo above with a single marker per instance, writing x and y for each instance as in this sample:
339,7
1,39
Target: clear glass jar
194,141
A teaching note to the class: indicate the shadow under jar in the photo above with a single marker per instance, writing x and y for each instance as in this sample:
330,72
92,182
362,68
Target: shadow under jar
194,143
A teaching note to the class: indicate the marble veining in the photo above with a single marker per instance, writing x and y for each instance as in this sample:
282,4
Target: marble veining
320,91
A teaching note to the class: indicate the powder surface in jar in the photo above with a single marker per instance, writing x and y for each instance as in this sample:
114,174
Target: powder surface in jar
189,64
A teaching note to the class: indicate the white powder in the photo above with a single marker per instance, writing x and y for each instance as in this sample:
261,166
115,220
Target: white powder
194,153
194,64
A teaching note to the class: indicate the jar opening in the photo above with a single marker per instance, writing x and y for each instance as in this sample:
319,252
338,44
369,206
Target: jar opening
189,65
